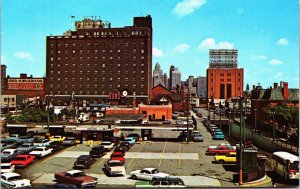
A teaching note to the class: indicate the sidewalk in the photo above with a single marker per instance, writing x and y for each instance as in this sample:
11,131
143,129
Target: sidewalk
264,182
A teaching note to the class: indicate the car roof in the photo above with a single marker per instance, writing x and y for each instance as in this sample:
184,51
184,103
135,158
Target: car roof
5,164
114,161
22,155
117,153
105,142
41,147
74,171
149,169
83,157
232,153
11,174
9,150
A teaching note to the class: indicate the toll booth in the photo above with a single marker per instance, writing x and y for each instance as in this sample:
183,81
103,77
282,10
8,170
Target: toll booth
56,130
17,129
146,134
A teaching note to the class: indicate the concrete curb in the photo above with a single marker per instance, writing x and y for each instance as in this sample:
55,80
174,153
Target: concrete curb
258,182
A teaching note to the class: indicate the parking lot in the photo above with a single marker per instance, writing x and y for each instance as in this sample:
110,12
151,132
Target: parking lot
187,161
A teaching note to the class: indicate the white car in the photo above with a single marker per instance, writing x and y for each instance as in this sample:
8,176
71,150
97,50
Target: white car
42,142
13,180
222,144
115,167
7,168
41,151
107,145
147,174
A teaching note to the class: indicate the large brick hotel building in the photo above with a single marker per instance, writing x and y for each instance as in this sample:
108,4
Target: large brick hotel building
100,64
224,79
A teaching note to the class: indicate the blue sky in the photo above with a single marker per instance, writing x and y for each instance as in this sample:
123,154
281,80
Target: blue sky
265,33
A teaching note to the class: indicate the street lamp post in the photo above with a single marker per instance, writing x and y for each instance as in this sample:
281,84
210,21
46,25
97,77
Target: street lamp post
273,123
241,145
229,124
220,120
255,119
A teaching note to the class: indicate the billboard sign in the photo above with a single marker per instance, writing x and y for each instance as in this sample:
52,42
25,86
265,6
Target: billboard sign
25,84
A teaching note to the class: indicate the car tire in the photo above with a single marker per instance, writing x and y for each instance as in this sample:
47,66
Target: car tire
221,161
134,177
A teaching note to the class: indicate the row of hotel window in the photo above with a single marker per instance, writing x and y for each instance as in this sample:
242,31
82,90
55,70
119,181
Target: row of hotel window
96,58
96,64
103,45
223,80
96,72
86,92
222,74
96,79
88,51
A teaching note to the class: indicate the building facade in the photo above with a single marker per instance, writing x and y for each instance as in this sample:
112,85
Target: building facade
158,76
224,79
3,78
100,64
201,87
175,77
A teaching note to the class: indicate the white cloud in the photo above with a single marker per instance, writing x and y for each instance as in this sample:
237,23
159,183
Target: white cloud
210,43
278,74
187,7
275,62
241,10
157,52
258,57
181,48
23,55
283,42
3,59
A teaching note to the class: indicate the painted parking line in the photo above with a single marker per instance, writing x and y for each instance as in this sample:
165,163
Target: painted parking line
179,154
100,162
65,150
162,155
134,156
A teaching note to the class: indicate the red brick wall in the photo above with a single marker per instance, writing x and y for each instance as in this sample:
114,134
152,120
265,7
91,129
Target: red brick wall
159,90
158,110
27,93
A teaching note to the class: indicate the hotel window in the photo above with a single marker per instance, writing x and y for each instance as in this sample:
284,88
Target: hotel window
142,58
103,65
88,51
58,52
58,72
119,50
119,65
51,72
51,44
142,71
51,59
73,44
66,45
142,51
96,51
58,92
66,92
74,51
51,65
80,52
134,50
58,79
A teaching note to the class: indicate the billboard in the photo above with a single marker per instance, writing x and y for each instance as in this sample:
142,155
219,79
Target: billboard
25,84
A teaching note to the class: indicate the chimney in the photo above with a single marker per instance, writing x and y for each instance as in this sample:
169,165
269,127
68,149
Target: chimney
275,85
253,87
134,101
281,84
285,90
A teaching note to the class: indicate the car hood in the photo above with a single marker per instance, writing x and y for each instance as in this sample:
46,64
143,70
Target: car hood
21,183
36,152
161,175
85,179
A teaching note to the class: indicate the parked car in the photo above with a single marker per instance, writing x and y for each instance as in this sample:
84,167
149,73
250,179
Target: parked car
26,148
130,140
228,158
83,162
8,144
118,156
199,114
41,151
198,138
223,149
69,141
222,144
7,168
127,145
147,174
107,145
120,149
22,160
98,151
115,140
58,138
76,177
167,122
8,155
218,135
56,146
115,167
41,142
134,135
167,182
25,139
14,180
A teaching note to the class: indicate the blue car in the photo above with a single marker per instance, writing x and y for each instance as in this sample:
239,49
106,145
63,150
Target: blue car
219,135
130,140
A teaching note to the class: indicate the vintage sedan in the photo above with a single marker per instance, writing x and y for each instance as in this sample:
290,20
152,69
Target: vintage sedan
228,158
22,160
9,154
57,138
41,151
76,177
7,167
41,142
13,180
56,146
69,141
147,174
131,140
26,148
115,167
83,162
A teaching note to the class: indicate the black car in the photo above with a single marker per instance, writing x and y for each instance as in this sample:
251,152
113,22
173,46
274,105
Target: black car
115,140
127,145
84,162
134,135
69,141
98,151
120,149
56,146
167,181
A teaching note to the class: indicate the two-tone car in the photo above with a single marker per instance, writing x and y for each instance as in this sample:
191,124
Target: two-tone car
83,162
115,167
26,148
76,177
8,155
7,168
228,158
58,138
14,180
107,145
41,151
147,174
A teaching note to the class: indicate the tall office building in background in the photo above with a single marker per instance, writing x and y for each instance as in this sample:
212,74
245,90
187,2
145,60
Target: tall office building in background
97,63
158,76
224,79
175,77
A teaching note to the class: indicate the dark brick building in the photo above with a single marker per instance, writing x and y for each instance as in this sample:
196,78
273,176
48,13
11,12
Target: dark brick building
100,64
224,79
3,78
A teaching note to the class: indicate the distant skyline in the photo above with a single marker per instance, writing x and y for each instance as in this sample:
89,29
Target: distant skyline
266,33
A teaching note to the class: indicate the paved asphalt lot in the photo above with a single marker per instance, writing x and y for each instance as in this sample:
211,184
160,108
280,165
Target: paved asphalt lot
187,161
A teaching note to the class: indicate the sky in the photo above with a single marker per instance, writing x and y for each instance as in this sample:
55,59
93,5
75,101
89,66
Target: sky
266,33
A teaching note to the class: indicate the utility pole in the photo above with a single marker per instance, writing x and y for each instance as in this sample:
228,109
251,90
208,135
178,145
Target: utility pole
241,145
255,119
188,111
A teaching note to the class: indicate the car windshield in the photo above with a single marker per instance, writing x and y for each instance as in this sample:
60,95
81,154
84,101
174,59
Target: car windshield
13,178
25,145
128,139
24,137
56,137
219,133
114,164
294,166
39,149
5,167
154,171
20,158
105,143
79,174
6,152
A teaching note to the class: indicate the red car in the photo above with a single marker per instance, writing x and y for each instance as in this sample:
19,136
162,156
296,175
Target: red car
118,156
22,160
76,177
221,150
